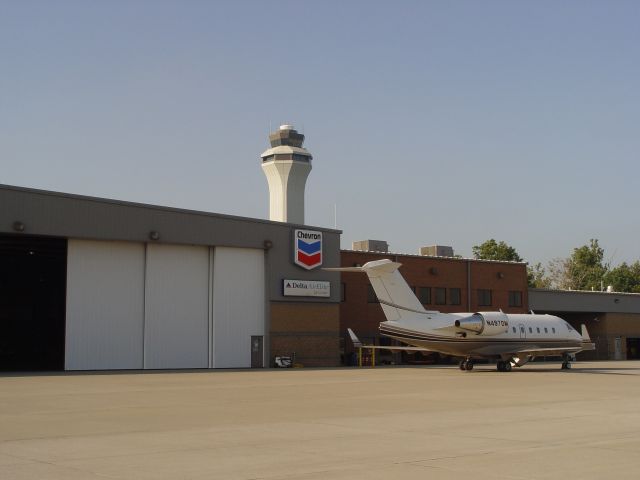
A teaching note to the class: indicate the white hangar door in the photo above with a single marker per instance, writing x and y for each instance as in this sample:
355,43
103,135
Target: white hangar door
238,305
176,328
105,305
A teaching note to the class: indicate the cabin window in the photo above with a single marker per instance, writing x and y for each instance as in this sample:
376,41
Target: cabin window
546,330
484,298
371,295
424,294
514,329
530,330
454,296
441,296
538,329
554,330
515,299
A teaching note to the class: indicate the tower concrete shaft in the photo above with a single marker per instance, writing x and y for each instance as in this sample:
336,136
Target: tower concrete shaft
287,165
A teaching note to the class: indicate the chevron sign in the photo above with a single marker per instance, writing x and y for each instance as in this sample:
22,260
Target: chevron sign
307,250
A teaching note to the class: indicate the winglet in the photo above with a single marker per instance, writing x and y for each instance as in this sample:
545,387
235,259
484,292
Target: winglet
585,333
354,338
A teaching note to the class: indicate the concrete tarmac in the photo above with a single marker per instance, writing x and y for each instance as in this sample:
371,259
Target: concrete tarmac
537,422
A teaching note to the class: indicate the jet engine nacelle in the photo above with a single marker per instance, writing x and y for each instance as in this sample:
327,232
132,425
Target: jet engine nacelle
484,323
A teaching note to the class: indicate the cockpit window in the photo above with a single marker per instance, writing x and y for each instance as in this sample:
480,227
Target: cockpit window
569,327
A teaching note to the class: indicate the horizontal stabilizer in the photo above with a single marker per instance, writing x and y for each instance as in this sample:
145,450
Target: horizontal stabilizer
354,338
344,269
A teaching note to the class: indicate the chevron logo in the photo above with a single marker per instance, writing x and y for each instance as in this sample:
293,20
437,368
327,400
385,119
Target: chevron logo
307,249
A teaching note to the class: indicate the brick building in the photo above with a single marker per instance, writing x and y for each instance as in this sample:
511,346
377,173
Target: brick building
446,284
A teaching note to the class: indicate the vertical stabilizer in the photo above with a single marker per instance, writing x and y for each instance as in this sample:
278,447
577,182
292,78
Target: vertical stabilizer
396,298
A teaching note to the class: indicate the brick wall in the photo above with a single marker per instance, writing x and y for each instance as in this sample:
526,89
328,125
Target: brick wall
311,330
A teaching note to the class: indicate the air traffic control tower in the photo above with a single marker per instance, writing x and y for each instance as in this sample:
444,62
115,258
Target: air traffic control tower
287,165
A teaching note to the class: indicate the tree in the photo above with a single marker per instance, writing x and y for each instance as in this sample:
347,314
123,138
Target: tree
537,276
559,274
625,278
586,269
492,250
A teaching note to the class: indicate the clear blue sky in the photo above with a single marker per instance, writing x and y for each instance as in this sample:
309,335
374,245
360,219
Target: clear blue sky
445,122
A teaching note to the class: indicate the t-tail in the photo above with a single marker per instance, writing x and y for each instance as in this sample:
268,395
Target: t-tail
398,301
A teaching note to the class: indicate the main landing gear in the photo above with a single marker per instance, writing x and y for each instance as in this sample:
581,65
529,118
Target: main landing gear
503,366
566,362
466,364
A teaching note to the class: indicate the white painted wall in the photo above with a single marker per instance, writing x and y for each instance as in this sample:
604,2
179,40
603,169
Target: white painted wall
105,305
176,332
238,304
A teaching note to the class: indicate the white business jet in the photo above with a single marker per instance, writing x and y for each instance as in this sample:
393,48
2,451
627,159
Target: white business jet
511,339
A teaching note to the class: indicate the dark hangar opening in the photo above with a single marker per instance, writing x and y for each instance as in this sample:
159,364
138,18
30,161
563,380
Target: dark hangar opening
33,281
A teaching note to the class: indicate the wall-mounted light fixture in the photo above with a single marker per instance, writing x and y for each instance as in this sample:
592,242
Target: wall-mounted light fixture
267,244
433,271
153,235
500,275
18,226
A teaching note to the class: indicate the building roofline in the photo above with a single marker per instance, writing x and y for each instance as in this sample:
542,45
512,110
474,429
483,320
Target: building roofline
415,255
583,292
162,208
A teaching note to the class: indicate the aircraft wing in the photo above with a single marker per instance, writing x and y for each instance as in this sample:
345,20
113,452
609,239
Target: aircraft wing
394,348
553,350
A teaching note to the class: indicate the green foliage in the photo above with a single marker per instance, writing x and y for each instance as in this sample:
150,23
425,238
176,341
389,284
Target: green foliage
492,250
585,267
625,278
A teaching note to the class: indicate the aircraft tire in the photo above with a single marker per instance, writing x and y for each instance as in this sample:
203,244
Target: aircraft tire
507,366
500,366
469,365
463,365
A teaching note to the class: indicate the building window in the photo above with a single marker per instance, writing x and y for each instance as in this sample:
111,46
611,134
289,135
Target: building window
441,296
371,295
484,298
424,294
515,299
343,292
454,296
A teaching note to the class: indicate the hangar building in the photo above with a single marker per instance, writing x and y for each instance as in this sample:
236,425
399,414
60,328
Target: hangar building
89,283
612,318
